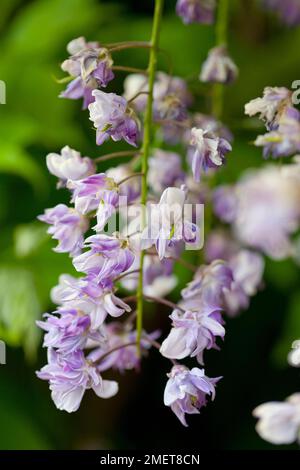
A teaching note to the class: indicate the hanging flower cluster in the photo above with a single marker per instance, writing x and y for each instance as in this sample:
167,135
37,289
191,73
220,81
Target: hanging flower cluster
98,324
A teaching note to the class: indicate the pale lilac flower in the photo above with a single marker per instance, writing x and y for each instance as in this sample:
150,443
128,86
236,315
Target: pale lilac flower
90,295
225,203
220,245
69,165
186,390
206,151
133,84
247,268
106,258
294,354
169,86
165,170
113,118
166,224
67,226
68,331
70,376
196,11
285,140
271,106
124,358
90,65
267,210
192,333
211,124
279,422
208,287
218,67
96,192
288,10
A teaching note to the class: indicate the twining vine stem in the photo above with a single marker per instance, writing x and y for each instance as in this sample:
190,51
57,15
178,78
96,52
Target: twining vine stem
146,149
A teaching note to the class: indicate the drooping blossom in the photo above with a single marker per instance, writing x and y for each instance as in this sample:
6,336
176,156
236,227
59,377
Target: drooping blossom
67,226
211,124
196,11
113,118
271,106
279,422
294,354
122,358
89,66
218,67
207,288
69,165
165,170
288,10
187,390
106,258
96,192
69,330
167,224
267,210
206,151
70,375
285,140
91,295
192,333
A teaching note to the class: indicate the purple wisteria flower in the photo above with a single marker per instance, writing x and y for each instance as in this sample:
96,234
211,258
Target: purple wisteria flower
165,170
285,140
288,10
218,67
267,209
192,333
271,106
96,192
91,296
171,97
196,11
206,151
70,375
167,225
126,357
67,226
106,258
131,189
279,422
69,165
90,66
211,124
186,391
207,289
69,331
113,118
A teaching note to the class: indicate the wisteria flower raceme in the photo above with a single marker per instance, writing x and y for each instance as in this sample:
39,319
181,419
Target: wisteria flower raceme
113,118
70,375
218,67
69,165
206,151
186,391
279,422
90,66
196,11
67,226
192,333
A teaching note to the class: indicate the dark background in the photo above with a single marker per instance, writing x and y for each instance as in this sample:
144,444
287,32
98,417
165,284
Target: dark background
33,36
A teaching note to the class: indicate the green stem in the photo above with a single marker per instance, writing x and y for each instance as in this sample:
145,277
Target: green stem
221,40
145,153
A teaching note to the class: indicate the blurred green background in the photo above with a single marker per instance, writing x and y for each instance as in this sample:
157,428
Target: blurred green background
34,121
